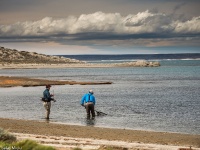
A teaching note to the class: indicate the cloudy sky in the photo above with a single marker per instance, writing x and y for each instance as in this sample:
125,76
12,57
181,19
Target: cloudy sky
101,26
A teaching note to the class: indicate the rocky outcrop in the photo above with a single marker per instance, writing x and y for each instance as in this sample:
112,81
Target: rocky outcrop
140,63
13,56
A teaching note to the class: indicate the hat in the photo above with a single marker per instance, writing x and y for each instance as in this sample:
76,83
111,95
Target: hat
90,91
48,86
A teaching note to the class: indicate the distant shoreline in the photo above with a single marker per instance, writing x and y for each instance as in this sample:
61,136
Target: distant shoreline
135,57
14,59
80,65
41,66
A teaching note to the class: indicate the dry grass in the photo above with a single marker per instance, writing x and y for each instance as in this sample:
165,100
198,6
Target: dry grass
5,136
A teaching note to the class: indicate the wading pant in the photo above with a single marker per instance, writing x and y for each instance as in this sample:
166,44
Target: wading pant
47,106
90,109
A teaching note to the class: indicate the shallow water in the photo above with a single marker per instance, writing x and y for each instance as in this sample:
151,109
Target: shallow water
165,98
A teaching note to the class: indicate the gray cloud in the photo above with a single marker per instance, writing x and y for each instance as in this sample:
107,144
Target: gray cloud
178,6
99,25
21,10
20,5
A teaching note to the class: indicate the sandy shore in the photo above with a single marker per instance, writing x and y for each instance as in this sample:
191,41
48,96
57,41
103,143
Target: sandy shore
38,66
80,65
61,135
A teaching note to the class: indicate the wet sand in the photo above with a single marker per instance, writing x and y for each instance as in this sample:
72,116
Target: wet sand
6,81
48,129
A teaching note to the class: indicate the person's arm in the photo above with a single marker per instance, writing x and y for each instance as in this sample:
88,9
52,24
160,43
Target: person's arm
83,100
94,101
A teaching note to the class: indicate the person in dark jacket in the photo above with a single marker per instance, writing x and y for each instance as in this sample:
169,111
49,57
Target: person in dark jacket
47,100
88,101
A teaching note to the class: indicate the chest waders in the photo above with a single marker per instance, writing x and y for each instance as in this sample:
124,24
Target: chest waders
90,108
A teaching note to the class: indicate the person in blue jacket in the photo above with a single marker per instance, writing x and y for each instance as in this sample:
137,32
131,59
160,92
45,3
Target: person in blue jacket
88,101
47,100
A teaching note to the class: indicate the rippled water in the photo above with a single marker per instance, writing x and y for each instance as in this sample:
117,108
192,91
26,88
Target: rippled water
166,98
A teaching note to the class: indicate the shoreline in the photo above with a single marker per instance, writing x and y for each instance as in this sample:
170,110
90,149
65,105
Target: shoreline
99,133
44,66
140,63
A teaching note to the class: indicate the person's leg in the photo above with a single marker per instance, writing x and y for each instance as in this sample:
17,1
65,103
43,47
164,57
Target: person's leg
92,111
48,113
87,111
45,106
48,108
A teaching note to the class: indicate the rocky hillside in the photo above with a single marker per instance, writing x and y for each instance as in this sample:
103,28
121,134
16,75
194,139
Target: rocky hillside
14,56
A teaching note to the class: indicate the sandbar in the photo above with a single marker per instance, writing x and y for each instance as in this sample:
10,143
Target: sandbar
6,81
79,65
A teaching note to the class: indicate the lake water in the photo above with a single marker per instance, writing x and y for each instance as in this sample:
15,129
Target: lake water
165,98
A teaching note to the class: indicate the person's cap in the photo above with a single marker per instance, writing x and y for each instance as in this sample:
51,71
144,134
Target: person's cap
90,91
47,86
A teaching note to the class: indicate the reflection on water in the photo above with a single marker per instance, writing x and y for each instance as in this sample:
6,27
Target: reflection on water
90,122
47,120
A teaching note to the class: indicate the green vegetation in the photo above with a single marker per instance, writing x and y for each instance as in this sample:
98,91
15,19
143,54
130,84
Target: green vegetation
8,141
32,145
6,137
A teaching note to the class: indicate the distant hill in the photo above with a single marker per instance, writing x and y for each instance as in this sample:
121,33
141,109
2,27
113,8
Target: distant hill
17,57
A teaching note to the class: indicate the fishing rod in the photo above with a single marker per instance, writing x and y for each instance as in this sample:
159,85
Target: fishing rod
99,113
53,95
